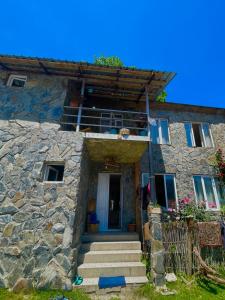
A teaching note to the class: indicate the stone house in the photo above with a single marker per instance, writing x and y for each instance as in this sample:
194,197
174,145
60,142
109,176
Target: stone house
67,168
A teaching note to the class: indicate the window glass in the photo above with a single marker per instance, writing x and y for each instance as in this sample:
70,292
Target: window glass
165,131
170,190
160,190
206,132
198,188
209,193
197,135
54,172
187,127
220,191
155,131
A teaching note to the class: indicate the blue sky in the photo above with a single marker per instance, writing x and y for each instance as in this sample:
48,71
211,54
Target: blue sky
184,36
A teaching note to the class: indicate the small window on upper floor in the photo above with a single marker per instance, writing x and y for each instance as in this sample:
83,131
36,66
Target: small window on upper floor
198,135
160,131
54,172
17,80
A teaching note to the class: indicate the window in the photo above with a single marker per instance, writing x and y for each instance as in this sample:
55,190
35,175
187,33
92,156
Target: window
160,131
210,190
17,80
166,191
198,135
110,120
53,172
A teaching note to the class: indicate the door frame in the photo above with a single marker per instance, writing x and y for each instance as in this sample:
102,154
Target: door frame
121,200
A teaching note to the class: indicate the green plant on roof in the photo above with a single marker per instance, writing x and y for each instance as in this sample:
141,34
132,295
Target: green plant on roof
161,97
110,61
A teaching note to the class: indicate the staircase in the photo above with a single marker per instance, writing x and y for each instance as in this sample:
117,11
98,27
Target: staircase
111,254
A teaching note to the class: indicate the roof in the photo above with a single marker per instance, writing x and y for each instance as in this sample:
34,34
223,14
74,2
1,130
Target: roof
109,82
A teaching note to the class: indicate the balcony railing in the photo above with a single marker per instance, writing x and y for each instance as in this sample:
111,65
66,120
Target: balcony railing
104,120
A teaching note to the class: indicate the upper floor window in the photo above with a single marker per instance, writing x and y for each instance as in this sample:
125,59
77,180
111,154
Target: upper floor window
17,80
160,131
54,172
198,135
209,190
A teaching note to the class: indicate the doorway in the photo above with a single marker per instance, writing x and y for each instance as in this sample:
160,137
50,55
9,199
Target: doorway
109,201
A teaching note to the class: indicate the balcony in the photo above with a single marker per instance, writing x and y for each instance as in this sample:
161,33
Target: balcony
109,133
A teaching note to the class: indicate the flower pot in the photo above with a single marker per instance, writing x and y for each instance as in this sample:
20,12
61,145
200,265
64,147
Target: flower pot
154,210
131,227
74,102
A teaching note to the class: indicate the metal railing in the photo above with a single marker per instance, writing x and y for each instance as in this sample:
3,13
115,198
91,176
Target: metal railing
104,120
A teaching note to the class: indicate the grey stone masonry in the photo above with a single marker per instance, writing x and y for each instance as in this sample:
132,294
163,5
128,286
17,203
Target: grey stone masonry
179,159
38,218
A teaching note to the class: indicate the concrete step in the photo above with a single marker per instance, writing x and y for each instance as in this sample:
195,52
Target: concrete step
103,246
129,269
110,256
110,237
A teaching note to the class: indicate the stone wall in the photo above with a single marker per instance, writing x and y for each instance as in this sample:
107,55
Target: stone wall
178,158
37,218
41,100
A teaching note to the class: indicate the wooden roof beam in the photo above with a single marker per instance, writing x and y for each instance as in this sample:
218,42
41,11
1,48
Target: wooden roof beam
44,68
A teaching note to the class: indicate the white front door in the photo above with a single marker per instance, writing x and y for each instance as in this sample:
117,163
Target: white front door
109,201
103,200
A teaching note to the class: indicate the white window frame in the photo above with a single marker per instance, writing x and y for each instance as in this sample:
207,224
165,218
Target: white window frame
160,130
165,189
202,135
204,192
13,77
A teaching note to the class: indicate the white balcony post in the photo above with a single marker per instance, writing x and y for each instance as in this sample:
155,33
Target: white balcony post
151,169
81,106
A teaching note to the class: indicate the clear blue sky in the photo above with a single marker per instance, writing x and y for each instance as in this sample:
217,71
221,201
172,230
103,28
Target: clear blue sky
184,36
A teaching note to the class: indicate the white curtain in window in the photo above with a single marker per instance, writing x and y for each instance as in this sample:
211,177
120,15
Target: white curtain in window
206,132
155,132
165,131
188,129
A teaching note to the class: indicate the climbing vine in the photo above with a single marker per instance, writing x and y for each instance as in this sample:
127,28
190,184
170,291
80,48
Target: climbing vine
220,165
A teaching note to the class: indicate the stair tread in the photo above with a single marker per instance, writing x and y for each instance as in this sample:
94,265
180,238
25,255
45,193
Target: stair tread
129,280
111,265
112,242
103,252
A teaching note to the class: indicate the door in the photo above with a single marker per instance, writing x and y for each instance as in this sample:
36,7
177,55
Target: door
109,198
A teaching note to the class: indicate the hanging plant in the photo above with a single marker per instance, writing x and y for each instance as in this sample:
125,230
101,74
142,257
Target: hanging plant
220,165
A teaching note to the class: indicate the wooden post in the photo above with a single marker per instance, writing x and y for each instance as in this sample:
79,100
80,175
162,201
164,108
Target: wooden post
151,171
81,106
137,195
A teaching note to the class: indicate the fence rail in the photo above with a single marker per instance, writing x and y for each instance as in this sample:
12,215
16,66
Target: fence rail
104,120
178,241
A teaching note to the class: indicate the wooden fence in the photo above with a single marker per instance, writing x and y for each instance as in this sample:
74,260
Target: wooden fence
178,241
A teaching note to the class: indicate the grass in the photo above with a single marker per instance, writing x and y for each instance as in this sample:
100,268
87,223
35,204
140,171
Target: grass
43,295
201,288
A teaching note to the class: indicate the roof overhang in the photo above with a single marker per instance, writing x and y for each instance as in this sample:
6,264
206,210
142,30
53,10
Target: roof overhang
103,81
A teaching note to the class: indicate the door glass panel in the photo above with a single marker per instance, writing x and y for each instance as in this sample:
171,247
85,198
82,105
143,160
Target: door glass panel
170,190
198,189
206,132
209,193
165,131
187,127
114,202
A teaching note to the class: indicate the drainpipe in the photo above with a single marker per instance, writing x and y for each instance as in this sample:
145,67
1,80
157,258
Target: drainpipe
150,156
81,106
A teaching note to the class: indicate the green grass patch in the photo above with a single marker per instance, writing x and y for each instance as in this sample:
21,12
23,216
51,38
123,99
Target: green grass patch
200,288
43,295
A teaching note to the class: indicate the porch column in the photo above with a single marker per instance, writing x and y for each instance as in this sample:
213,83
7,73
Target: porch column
81,106
150,157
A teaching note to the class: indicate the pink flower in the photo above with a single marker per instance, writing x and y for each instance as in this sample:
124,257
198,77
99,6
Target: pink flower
212,205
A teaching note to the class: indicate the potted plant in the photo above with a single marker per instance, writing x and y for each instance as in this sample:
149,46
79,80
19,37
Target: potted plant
131,227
